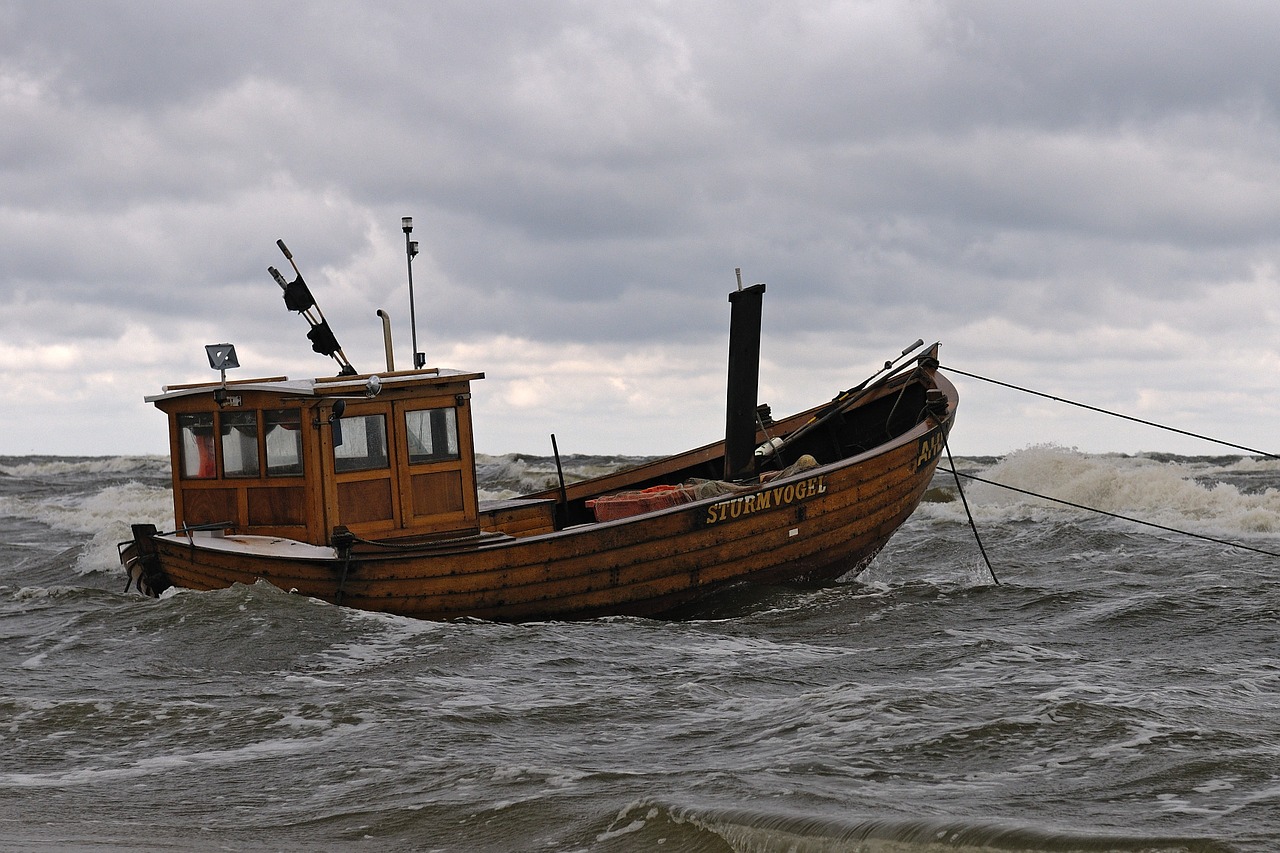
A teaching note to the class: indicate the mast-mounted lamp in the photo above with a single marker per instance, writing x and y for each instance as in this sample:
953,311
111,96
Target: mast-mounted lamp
410,250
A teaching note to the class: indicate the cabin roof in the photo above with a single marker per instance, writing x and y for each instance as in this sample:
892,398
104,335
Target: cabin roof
322,387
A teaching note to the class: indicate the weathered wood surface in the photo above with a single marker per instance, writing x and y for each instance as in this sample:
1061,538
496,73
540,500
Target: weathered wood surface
820,524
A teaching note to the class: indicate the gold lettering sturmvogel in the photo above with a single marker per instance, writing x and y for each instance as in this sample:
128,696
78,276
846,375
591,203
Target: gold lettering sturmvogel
745,505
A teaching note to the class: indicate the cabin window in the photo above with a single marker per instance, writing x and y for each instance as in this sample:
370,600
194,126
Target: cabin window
239,444
433,434
360,443
197,446
283,429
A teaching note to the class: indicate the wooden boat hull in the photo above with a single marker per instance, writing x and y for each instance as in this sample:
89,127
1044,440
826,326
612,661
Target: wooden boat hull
818,524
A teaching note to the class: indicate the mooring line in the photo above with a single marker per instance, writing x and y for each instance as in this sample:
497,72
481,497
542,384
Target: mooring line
1116,515
972,526
1112,414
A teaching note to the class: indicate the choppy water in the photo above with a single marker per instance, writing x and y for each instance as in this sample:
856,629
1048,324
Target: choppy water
1119,692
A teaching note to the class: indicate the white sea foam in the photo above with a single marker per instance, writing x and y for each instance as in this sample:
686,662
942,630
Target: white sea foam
108,514
1178,493
115,505
514,474
120,466
160,764
386,639
34,593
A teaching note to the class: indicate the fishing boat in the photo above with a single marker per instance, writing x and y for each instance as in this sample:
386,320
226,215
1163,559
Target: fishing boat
360,490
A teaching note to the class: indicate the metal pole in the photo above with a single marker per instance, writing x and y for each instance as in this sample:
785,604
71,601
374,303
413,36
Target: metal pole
411,249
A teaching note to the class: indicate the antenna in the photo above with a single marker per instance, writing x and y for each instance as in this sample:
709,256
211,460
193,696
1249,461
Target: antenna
411,251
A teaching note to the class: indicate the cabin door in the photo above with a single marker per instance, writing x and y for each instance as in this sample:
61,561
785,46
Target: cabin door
405,467
437,468
360,446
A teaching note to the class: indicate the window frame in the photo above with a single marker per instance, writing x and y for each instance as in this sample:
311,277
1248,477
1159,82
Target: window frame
227,426
206,466
353,463
268,422
444,427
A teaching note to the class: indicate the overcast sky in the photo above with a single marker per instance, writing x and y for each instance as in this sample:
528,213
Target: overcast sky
1083,198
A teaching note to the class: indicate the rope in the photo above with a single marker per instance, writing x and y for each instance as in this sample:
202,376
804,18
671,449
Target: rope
428,545
342,581
1165,528
972,526
1114,414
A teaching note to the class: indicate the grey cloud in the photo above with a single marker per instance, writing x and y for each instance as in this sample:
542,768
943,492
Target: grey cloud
592,173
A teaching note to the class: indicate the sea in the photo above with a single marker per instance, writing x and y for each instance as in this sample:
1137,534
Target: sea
1103,685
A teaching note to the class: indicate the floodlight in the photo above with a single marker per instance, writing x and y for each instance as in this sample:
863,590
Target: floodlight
222,356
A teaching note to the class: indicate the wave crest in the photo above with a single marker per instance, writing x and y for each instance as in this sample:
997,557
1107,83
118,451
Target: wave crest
1206,494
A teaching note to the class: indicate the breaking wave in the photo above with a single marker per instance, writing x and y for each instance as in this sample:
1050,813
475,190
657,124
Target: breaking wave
1234,495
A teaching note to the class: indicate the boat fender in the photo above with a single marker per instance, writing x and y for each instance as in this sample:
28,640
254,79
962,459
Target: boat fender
767,449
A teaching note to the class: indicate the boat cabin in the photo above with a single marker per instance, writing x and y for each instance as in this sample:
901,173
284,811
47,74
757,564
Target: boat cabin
386,456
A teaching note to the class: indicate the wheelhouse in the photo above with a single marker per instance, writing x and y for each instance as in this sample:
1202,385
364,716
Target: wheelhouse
384,456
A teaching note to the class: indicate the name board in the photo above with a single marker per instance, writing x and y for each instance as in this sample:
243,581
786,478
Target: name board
744,505
929,448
